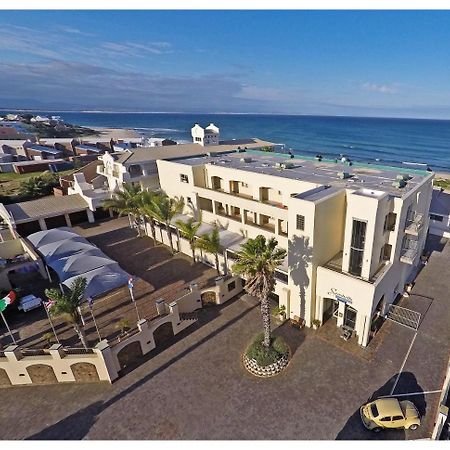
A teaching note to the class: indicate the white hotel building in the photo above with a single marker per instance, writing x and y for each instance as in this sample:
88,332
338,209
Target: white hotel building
354,234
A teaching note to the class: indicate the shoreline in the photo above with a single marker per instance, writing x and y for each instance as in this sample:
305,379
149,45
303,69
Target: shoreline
112,133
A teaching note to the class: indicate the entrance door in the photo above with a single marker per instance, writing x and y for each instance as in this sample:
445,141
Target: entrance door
350,317
336,309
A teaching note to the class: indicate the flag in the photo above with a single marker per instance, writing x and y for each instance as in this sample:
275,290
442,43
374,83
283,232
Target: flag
130,283
48,305
7,300
90,301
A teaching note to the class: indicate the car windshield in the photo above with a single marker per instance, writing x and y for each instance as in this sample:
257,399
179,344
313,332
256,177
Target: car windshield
374,410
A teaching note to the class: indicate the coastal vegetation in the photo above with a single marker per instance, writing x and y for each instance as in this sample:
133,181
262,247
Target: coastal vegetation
210,243
16,187
443,183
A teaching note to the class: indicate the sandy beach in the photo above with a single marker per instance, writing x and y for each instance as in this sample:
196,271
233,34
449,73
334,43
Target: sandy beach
113,133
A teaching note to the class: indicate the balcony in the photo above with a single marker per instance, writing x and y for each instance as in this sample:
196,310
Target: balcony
409,255
267,226
222,213
414,224
243,202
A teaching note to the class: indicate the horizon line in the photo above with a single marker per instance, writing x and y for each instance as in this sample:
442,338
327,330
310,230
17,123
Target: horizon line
83,111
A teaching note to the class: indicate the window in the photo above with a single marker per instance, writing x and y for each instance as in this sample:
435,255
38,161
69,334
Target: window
281,276
300,222
436,217
357,247
374,410
389,221
386,252
231,286
386,419
397,418
184,178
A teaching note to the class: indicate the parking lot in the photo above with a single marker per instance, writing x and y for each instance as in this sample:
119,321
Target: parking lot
197,387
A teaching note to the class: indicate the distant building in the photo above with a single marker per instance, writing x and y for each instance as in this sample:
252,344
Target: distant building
37,152
205,136
440,213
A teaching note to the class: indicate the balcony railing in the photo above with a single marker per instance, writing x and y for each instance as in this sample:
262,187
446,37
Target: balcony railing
414,224
408,255
267,226
236,217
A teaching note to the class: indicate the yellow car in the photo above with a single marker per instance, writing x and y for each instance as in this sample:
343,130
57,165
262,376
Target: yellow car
390,413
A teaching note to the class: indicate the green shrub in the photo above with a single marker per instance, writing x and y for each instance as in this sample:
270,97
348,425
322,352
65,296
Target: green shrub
265,356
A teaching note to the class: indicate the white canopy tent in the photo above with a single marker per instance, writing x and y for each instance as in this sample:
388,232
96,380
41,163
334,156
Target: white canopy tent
102,280
78,265
45,237
64,248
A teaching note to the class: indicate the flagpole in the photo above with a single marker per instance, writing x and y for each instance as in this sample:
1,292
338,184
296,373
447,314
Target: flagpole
51,323
9,330
130,287
90,303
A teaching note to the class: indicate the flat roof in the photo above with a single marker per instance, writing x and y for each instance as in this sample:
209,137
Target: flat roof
147,154
43,149
45,207
326,172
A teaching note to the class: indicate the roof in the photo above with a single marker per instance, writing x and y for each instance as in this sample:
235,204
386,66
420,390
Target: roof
45,207
91,148
43,149
325,172
89,171
440,203
388,407
146,154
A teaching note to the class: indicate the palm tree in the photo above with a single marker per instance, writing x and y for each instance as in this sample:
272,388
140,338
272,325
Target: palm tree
67,305
210,243
257,261
164,209
146,207
188,230
126,201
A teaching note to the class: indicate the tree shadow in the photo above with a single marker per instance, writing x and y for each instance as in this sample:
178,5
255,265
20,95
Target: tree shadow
407,383
77,425
299,258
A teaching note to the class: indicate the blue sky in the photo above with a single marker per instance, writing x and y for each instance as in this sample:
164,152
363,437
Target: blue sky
366,63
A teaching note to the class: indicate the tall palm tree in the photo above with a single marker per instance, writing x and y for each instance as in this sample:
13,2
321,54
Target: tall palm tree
188,230
164,209
210,243
67,305
126,201
257,261
146,207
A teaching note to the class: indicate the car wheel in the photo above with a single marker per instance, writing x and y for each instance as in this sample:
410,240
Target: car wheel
376,429
413,427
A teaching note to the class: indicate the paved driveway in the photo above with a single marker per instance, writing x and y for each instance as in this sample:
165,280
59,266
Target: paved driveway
198,389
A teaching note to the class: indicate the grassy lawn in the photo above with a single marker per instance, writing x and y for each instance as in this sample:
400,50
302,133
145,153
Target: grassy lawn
10,182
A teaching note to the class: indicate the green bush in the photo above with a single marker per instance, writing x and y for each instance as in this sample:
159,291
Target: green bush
265,356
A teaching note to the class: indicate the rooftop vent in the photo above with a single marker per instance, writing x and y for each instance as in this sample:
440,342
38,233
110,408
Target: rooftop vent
343,175
246,159
399,184
285,165
403,177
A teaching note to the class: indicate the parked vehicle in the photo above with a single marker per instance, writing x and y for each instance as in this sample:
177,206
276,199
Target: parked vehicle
390,413
29,302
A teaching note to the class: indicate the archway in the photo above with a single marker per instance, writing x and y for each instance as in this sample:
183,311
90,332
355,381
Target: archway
208,298
163,333
41,374
84,372
129,353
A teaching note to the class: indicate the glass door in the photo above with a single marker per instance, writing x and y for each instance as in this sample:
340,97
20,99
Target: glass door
350,317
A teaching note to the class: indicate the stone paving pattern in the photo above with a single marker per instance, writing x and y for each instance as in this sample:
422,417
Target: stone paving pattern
197,388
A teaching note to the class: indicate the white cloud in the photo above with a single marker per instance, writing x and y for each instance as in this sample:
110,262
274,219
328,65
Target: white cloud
381,88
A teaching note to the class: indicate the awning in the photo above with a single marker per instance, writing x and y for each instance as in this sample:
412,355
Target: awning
228,238
204,228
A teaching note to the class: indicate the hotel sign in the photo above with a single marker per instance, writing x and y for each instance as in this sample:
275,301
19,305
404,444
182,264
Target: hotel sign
339,297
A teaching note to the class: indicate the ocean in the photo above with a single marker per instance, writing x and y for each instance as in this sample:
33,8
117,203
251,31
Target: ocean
385,140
